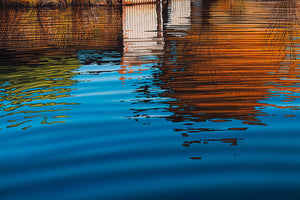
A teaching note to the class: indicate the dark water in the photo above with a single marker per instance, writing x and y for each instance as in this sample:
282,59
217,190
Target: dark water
185,100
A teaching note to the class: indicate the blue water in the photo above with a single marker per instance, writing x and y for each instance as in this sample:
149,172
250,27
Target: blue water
202,104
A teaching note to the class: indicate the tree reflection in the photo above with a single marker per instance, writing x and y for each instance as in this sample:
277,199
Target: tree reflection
39,59
222,70
30,93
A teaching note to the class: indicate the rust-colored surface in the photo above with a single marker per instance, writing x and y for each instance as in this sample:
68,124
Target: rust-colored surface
224,69
85,28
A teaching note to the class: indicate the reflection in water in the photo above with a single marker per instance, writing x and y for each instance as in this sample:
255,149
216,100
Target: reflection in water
234,7
179,19
230,141
30,93
224,71
143,41
34,79
207,60
68,28
172,100
220,71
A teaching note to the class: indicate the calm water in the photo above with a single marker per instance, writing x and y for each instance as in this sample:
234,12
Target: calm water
185,100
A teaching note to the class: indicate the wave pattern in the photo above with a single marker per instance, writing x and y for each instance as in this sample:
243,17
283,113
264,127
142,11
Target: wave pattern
192,99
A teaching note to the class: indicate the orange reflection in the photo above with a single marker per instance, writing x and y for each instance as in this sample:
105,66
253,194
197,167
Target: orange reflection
223,69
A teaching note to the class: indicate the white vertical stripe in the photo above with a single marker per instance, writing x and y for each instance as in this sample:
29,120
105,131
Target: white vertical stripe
140,31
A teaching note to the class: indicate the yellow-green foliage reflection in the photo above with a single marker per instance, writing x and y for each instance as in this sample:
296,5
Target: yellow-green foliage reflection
31,91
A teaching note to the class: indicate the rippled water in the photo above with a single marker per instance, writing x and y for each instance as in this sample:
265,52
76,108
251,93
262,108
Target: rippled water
178,100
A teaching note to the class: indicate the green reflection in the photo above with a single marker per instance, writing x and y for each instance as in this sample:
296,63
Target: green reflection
33,77
29,89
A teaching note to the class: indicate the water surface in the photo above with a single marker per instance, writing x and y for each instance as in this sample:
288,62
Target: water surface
178,100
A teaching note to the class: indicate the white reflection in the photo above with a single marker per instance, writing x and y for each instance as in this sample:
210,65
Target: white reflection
180,15
142,32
